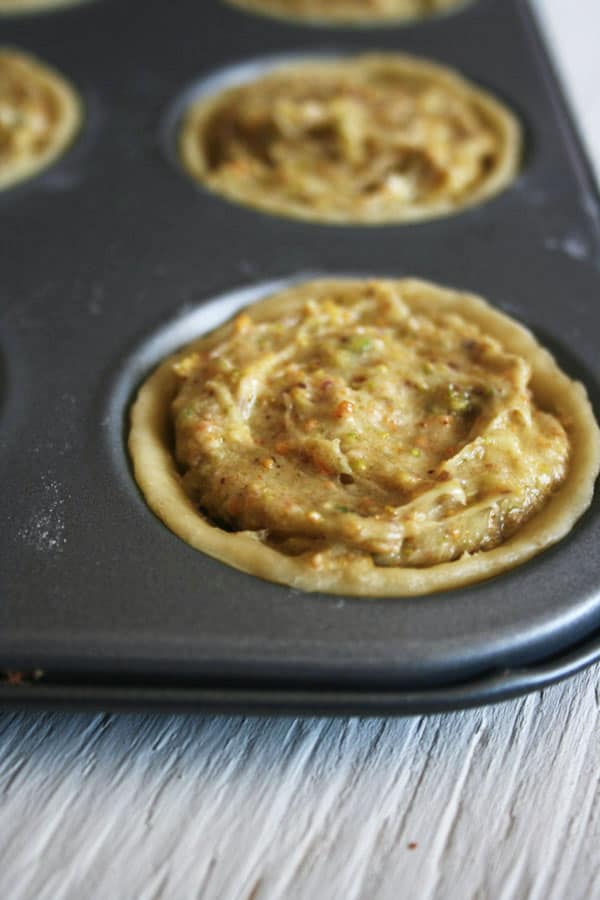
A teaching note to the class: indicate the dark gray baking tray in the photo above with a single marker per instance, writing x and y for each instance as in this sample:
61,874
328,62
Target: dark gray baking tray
107,261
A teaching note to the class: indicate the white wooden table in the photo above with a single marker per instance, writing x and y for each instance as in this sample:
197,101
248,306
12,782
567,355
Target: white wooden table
499,803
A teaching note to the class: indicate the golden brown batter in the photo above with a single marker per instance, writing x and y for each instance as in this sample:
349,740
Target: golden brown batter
370,437
349,11
39,116
378,138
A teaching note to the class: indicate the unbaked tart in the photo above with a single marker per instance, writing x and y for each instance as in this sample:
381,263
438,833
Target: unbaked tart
366,140
380,438
40,114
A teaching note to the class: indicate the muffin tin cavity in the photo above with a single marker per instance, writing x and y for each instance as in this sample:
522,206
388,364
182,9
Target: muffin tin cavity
367,139
366,433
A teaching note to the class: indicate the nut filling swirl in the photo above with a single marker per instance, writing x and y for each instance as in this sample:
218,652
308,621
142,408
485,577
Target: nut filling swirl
357,427
376,139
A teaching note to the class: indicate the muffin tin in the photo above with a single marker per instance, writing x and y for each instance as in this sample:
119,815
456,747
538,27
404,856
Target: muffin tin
113,257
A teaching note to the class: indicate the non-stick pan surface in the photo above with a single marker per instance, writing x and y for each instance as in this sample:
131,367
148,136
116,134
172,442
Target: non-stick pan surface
113,257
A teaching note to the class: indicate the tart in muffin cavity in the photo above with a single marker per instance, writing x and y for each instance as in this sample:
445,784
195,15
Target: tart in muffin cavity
374,139
40,115
375,438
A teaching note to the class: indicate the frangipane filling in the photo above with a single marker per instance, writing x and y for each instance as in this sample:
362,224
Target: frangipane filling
353,426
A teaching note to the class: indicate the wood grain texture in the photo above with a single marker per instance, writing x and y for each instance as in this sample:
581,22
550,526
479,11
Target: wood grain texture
502,802
499,803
